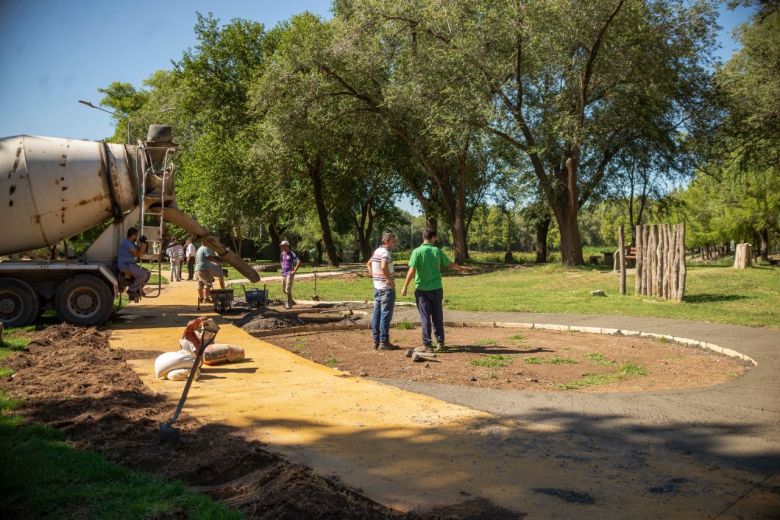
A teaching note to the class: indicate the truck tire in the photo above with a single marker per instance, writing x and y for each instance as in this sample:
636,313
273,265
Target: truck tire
84,300
18,303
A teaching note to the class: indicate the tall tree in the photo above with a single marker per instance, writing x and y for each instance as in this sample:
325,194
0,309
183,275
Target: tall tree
569,84
304,126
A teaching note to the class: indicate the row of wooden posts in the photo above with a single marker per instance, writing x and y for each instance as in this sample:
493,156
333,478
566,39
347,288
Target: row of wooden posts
660,260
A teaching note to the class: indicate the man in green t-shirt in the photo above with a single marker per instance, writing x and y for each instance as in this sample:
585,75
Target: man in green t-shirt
425,266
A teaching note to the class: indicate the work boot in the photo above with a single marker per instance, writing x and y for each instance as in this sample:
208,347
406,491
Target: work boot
440,347
425,349
376,344
386,345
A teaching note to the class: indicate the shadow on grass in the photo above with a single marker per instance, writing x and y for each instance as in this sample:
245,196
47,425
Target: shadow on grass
712,298
493,349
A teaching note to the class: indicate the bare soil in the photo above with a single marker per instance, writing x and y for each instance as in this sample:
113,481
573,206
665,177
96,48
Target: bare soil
524,359
69,379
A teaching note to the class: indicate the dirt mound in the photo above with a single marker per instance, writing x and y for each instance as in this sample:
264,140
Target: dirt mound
70,379
268,319
263,320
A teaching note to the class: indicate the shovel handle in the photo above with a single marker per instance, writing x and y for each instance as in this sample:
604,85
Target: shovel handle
195,367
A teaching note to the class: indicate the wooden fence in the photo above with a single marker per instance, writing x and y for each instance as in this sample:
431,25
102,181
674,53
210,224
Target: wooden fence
660,261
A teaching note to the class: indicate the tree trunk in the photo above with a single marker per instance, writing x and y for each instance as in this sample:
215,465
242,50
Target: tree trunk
459,240
571,243
542,228
273,231
565,204
363,228
764,244
322,214
432,221
622,249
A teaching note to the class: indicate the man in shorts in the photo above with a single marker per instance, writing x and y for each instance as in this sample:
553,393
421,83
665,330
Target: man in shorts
425,266
207,265
380,268
290,265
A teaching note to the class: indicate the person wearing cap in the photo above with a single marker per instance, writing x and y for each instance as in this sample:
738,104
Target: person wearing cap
175,254
290,265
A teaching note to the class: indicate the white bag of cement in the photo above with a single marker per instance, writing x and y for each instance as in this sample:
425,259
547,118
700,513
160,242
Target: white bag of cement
180,374
186,344
172,361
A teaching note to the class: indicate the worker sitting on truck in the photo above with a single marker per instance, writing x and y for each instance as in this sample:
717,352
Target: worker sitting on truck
127,261
207,267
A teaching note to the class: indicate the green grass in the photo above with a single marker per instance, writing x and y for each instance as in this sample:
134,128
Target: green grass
550,361
714,294
404,324
626,371
598,359
11,343
41,476
331,362
485,343
493,361
153,269
517,337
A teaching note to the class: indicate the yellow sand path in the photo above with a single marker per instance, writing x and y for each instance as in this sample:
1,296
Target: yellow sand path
399,448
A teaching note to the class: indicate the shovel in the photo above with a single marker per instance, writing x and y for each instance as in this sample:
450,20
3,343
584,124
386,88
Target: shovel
316,297
167,432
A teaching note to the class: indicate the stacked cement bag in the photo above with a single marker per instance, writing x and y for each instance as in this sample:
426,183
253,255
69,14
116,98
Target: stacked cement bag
175,366
220,353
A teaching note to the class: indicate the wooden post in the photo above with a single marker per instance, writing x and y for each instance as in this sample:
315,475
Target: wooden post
743,256
639,262
683,268
622,246
674,271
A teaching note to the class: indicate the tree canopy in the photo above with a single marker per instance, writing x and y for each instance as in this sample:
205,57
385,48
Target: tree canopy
498,118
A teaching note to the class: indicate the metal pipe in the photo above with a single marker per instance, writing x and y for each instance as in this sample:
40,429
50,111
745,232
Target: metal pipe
189,224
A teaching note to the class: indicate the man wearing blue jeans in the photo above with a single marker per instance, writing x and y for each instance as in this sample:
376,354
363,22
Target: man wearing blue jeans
380,267
425,266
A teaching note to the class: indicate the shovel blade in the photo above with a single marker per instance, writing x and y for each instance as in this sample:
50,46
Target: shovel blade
169,434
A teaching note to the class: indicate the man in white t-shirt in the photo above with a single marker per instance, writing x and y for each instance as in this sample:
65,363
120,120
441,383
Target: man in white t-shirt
189,254
380,267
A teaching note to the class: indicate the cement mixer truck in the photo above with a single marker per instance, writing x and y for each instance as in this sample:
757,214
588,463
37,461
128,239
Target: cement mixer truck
52,189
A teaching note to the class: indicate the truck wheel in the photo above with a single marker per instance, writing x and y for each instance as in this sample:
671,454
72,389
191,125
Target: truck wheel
18,303
84,300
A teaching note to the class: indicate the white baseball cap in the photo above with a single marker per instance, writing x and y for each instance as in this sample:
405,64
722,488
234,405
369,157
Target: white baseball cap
284,243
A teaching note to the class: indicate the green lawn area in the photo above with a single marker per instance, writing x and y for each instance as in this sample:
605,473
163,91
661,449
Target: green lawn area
715,294
41,476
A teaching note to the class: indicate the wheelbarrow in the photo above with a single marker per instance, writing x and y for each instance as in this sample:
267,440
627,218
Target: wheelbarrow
256,298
